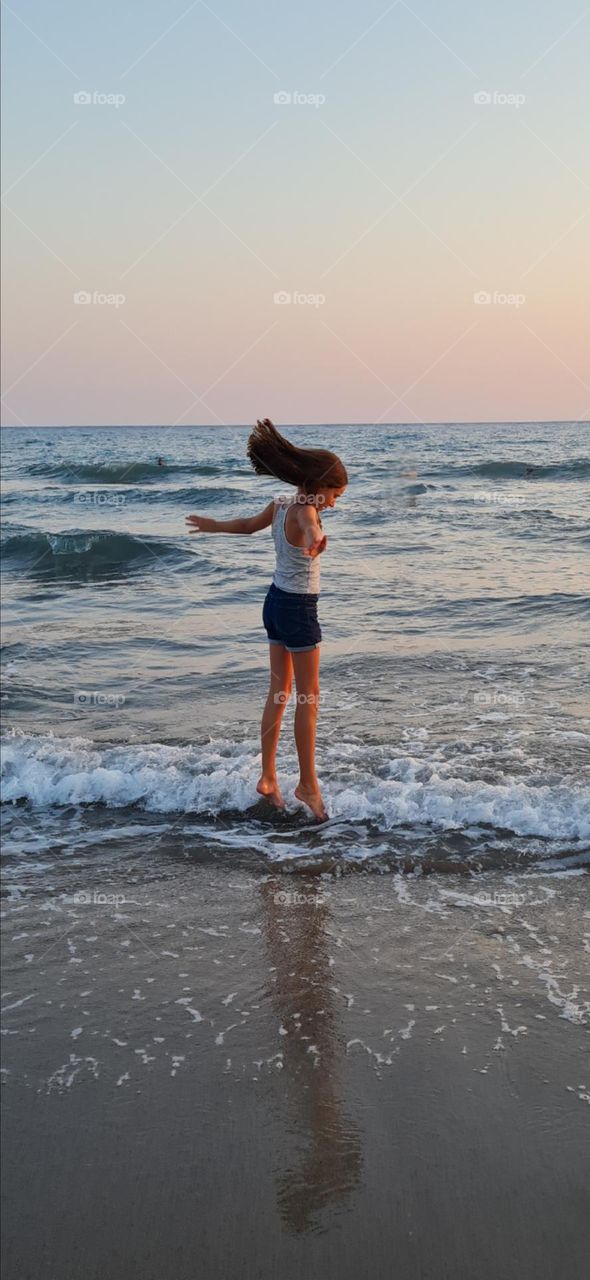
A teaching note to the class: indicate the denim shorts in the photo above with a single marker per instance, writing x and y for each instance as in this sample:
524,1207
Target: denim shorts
291,619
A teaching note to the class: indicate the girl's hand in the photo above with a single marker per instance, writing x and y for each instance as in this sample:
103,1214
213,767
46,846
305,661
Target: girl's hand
201,524
317,549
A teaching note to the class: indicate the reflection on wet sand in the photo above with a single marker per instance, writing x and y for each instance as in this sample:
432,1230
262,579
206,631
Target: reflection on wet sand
329,1163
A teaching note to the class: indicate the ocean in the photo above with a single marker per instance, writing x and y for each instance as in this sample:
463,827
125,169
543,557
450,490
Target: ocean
454,726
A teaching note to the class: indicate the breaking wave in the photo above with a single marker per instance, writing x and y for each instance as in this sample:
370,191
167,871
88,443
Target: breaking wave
82,550
219,777
124,472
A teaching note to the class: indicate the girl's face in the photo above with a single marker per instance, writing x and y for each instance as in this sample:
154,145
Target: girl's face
328,497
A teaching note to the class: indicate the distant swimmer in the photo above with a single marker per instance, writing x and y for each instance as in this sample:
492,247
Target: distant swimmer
529,471
161,462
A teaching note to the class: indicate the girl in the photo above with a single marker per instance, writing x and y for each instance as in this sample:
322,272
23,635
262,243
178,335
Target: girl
290,609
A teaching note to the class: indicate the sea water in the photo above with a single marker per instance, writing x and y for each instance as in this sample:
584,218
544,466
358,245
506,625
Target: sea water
454,725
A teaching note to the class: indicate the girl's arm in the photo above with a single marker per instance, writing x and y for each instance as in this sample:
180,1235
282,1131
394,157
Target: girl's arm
314,538
250,524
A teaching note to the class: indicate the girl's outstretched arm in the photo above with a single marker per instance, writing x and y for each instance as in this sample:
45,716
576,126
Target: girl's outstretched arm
249,524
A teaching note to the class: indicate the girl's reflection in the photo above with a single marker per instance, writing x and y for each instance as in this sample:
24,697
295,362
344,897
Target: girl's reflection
296,923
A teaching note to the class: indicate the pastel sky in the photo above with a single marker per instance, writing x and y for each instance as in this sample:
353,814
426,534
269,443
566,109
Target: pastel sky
383,199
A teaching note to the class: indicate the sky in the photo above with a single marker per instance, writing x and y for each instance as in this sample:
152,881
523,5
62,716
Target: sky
328,212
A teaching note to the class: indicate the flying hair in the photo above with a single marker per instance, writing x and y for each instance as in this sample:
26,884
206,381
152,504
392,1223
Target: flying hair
272,455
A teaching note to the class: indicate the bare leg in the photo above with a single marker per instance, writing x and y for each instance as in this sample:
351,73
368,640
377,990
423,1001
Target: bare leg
279,692
307,679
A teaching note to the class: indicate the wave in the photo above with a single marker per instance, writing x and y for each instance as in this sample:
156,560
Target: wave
506,469
141,471
125,472
82,550
194,495
219,777
418,488
118,497
541,522
487,610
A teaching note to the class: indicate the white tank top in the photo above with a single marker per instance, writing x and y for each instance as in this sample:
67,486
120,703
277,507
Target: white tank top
294,571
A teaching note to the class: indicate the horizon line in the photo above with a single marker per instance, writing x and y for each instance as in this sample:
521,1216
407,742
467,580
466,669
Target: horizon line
215,426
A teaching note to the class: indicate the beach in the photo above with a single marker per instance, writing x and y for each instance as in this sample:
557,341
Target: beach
294,348
238,1043
238,1074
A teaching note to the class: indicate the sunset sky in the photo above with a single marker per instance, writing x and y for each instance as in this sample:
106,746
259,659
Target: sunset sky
383,199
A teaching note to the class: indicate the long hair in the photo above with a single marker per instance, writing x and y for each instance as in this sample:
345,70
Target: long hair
272,455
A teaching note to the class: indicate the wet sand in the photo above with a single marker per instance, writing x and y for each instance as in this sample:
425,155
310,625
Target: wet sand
224,1073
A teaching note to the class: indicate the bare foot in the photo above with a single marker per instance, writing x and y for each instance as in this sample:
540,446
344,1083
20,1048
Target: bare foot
269,788
312,798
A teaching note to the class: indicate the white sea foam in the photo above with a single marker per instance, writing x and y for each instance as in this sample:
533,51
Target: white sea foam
215,777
